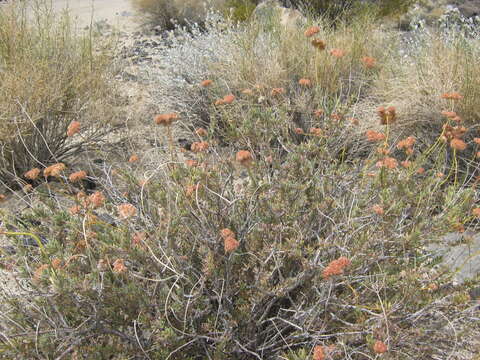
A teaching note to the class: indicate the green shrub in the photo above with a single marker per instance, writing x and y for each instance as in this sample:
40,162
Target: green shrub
49,77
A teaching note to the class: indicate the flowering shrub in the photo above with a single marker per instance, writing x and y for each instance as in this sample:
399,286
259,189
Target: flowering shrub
286,230
54,90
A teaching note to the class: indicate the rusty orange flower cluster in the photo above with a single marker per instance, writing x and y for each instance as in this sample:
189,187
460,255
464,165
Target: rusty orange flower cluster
318,353
191,163
305,82
126,210
369,62
452,115
206,83
230,244
78,176
316,131
453,135
407,145
138,238
165,119
387,162
452,96
244,157
318,113
191,189
476,212
54,170
336,267
200,146
73,128
380,347
299,131
201,132
32,174
119,266
387,116
277,91
338,53
319,44
227,99
96,200
133,158
378,209
312,30
373,135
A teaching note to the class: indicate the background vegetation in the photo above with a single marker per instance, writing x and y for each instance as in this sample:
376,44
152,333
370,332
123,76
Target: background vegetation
50,76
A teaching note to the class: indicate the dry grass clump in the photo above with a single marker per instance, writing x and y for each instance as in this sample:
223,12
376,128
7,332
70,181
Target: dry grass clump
53,86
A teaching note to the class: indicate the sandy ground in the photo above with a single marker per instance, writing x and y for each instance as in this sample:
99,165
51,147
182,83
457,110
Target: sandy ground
118,13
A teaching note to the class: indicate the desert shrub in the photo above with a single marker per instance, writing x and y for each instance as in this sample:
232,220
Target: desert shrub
344,8
167,14
264,240
49,77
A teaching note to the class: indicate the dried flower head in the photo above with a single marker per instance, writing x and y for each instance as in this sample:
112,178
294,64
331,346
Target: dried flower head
374,135
201,132
338,53
354,121
227,99
54,170
191,189
312,30
2,197
225,233
191,163
73,128
380,347
458,144
305,82
277,91
27,188
406,163
318,112
244,157
199,146
126,210
74,210
230,244
406,143
336,116
316,131
299,131
387,162
78,176
96,199
133,158
165,119
206,83
119,266
420,170
387,116
318,353
32,174
452,96
369,62
319,44
378,209
138,238
476,212
335,267
449,114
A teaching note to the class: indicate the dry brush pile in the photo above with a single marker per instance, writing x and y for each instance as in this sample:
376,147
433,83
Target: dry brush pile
293,225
